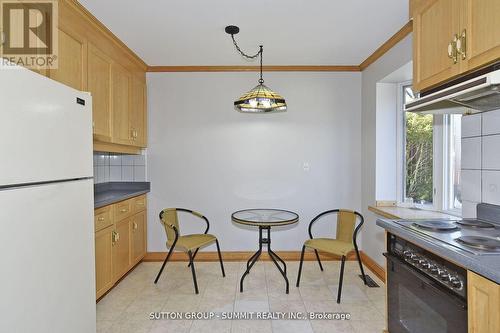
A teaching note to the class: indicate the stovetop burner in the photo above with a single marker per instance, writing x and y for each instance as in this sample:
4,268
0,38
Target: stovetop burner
437,225
481,242
475,224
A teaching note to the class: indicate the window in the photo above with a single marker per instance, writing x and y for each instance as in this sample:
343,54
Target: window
452,166
430,155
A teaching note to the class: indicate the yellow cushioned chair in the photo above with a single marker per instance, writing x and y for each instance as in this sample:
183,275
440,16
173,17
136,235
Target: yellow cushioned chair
187,243
344,242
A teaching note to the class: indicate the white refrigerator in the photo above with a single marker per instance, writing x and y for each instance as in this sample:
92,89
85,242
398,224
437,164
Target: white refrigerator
47,273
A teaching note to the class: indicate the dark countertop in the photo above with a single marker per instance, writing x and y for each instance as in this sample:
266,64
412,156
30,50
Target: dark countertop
109,193
485,265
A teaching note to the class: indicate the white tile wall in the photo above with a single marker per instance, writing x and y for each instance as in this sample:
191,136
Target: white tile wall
491,152
119,167
471,153
480,160
471,185
471,126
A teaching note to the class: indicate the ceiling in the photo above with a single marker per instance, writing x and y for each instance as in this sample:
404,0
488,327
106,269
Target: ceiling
293,32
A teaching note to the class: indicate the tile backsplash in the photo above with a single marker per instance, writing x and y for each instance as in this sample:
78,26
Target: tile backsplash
110,167
480,161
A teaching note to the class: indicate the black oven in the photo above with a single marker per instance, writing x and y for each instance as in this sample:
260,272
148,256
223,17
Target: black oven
425,293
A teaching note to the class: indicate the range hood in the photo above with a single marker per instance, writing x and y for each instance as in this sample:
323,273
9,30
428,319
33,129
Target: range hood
479,94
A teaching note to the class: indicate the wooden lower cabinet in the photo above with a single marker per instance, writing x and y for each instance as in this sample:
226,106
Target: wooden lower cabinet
103,260
138,237
120,245
483,298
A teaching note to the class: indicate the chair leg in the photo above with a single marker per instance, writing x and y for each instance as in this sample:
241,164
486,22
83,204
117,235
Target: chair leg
360,265
194,255
319,261
192,271
164,263
220,259
341,279
300,265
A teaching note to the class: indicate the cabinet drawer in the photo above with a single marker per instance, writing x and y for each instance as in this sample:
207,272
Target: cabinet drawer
123,209
139,203
102,218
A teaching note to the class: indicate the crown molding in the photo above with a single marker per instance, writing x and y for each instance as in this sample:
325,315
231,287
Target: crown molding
283,68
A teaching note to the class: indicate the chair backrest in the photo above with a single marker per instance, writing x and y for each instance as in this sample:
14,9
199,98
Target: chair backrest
347,229
169,219
346,222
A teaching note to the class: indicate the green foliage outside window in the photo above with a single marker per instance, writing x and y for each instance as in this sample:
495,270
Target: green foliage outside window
419,184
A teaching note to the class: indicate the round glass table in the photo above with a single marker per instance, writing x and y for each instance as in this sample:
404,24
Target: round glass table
265,219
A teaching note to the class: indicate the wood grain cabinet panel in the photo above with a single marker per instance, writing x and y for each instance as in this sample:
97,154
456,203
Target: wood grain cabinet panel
138,237
481,30
138,119
71,68
121,105
121,249
434,24
99,85
103,260
483,298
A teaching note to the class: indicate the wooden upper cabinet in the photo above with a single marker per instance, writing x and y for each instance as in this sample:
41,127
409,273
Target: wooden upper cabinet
481,32
435,22
138,119
483,298
99,85
72,57
121,82
452,37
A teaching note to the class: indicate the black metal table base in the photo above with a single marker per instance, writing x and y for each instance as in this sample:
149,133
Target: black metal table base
274,257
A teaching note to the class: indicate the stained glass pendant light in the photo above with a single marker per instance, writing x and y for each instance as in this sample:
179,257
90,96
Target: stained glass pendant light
260,99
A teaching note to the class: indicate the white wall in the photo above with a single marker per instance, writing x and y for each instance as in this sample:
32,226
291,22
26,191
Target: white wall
386,141
399,55
205,156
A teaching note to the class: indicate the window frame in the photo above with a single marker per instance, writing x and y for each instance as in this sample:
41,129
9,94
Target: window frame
440,153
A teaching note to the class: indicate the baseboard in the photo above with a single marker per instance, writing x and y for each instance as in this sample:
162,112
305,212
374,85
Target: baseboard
241,256
373,266
285,255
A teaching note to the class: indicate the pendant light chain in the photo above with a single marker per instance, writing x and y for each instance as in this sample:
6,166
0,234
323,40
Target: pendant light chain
261,51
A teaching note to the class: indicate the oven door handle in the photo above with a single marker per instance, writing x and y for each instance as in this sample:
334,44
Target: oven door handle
424,279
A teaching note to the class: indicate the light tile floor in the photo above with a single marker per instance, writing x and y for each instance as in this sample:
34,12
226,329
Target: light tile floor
127,307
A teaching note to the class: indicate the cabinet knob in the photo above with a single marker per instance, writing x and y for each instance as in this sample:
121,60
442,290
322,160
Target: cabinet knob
100,219
123,210
135,226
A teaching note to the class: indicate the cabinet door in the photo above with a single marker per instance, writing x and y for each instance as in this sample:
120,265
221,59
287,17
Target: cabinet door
99,85
483,298
72,55
121,249
435,22
138,232
482,32
138,112
121,105
103,260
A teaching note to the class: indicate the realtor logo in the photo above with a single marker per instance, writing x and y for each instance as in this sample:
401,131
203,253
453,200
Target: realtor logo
29,33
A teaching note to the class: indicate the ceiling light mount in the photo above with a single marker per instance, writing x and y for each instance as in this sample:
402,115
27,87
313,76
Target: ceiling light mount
260,99
232,29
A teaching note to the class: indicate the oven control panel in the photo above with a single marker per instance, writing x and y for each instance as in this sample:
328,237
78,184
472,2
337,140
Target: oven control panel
446,273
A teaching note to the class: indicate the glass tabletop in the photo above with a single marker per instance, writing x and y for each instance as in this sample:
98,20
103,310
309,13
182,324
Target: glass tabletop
265,217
